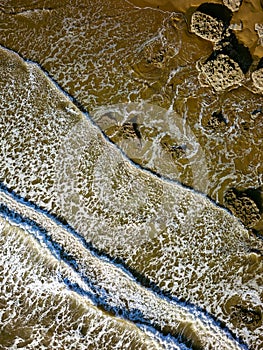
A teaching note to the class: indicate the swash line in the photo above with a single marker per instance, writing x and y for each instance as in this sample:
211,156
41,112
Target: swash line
118,292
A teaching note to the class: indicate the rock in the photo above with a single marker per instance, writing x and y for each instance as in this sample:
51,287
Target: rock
230,60
259,30
235,50
217,120
227,64
233,5
257,76
210,21
247,315
170,145
243,205
221,72
207,27
236,26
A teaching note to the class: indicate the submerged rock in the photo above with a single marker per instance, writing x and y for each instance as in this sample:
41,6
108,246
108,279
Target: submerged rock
217,120
243,206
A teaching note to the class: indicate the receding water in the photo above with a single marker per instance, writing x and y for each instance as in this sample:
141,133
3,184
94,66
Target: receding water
101,246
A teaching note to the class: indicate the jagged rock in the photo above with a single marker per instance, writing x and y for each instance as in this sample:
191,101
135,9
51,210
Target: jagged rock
233,5
221,72
243,206
210,21
247,315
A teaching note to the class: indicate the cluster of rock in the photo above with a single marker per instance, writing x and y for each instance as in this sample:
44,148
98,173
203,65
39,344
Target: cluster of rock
230,60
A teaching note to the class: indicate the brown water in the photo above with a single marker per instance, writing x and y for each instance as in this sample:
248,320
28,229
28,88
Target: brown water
140,84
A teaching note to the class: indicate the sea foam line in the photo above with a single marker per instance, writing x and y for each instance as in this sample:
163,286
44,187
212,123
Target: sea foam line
112,287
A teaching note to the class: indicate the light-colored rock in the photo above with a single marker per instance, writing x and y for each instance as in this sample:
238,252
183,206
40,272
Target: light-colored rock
233,5
221,72
236,26
257,78
259,30
207,27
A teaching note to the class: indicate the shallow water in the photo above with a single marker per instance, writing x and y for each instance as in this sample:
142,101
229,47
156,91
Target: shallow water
103,54
183,265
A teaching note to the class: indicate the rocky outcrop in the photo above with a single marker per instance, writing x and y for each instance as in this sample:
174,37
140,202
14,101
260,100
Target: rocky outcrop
233,5
235,50
207,27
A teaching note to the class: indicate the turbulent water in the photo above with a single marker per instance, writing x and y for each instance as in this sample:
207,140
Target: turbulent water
96,251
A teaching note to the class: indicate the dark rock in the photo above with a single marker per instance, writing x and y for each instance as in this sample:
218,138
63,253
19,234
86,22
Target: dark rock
169,145
217,120
260,63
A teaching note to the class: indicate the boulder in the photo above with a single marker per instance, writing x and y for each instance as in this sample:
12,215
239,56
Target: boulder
221,72
210,21
227,64
217,121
